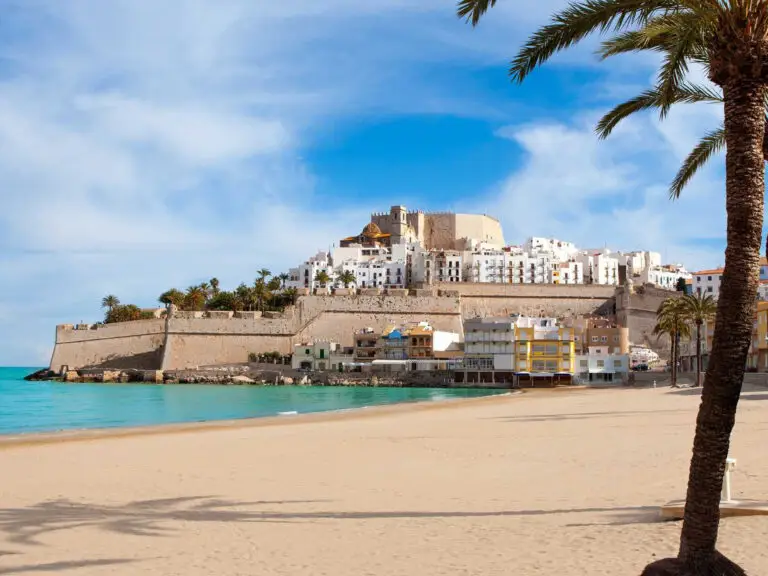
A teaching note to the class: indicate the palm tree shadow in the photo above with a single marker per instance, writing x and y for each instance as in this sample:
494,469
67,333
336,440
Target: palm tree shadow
60,566
26,526
140,518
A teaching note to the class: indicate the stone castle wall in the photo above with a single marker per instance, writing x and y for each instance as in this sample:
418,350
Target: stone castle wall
123,345
552,300
189,340
637,311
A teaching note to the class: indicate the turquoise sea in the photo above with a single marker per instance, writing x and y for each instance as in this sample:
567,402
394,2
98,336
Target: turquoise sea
49,406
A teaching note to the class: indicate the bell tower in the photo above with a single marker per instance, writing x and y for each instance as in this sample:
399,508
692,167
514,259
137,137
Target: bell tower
399,225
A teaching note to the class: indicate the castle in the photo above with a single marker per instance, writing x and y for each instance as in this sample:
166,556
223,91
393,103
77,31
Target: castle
431,230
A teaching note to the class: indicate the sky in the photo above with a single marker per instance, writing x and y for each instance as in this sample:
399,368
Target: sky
146,145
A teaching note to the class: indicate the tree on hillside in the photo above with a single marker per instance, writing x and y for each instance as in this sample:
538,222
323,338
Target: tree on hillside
225,301
698,309
245,296
264,273
172,296
730,37
194,299
214,282
274,284
322,278
109,302
283,279
681,284
291,294
123,313
347,277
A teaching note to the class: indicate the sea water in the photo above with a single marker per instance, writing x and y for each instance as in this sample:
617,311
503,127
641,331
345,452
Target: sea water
50,406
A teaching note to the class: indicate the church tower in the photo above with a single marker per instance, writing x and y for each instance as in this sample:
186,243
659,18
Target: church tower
399,225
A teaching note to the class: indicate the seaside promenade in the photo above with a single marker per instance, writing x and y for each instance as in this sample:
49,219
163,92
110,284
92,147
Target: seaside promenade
551,482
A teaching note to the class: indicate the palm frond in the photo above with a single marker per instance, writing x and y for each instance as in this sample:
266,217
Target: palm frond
577,21
710,145
686,39
472,10
685,93
633,41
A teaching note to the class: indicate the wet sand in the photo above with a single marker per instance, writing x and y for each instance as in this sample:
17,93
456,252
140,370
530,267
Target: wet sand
565,483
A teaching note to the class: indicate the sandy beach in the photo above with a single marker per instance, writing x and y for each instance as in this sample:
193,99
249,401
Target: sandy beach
565,483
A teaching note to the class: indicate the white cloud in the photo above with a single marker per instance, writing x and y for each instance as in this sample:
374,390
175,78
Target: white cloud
615,192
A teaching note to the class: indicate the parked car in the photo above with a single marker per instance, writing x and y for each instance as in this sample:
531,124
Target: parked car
640,367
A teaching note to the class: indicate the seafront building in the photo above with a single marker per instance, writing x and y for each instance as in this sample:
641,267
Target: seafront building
517,350
405,248
410,347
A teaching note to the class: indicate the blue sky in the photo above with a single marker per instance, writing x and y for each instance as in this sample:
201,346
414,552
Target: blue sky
146,144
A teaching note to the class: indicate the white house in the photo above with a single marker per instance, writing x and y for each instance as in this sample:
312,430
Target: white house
489,344
601,365
320,356
707,282
600,267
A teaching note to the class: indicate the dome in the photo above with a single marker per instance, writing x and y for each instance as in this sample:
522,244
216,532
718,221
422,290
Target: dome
371,230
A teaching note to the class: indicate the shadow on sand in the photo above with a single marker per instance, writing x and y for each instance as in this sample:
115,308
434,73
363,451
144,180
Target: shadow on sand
582,415
150,517
61,566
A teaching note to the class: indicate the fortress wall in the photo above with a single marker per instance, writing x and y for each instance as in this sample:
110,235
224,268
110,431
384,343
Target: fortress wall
440,231
122,345
480,227
637,312
337,318
490,299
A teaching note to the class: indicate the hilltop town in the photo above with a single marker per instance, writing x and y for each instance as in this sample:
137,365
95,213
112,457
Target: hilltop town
412,292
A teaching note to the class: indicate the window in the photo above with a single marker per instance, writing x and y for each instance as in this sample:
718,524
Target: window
583,363
698,278
615,339
306,352
601,363
709,278
603,339
709,288
595,339
617,363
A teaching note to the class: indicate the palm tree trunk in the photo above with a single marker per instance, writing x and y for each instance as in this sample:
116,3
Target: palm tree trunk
698,354
673,369
671,358
744,129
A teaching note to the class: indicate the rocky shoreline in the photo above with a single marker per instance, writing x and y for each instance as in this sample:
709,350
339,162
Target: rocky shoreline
249,375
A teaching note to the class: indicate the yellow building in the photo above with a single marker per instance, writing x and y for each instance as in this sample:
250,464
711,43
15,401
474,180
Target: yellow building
760,355
544,349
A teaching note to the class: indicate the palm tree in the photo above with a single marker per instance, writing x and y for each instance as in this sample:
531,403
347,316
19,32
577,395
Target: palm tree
731,37
214,282
283,278
322,278
194,299
172,296
671,320
110,302
698,309
347,277
264,273
291,294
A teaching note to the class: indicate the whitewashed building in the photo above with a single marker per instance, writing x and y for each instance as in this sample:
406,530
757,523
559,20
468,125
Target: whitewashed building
707,282
601,364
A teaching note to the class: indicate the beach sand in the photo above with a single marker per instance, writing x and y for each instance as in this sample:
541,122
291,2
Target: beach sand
552,482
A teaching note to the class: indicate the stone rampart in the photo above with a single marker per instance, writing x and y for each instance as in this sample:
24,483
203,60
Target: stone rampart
556,300
121,345
637,311
194,339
